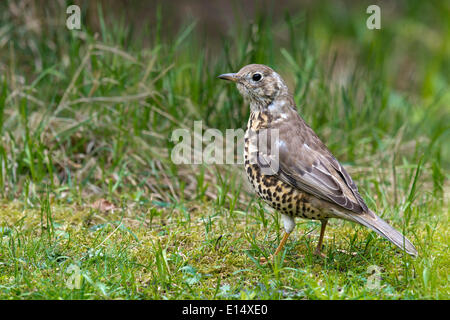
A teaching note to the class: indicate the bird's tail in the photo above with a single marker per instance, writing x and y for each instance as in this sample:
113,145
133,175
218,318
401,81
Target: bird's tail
372,221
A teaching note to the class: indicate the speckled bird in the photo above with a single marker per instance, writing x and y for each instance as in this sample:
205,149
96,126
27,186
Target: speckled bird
305,180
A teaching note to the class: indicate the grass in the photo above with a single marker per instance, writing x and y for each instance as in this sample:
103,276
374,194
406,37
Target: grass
87,186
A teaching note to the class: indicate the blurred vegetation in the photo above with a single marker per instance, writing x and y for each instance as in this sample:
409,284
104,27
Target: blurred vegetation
89,114
76,102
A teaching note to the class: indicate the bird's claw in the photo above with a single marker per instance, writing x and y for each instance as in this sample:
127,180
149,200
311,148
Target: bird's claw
319,254
264,260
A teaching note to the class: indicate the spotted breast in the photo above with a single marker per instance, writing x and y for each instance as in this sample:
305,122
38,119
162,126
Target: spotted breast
276,193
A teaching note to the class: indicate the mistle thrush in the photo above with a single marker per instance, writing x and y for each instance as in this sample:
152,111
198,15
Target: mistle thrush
302,178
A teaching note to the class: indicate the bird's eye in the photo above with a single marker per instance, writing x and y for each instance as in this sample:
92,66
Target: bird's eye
257,77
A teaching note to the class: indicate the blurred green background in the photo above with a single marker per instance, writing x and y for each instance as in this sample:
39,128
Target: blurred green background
81,104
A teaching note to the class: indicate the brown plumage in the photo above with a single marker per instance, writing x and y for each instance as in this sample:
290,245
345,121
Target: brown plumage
293,171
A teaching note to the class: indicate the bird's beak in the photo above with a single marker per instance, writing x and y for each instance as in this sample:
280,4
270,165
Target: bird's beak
229,76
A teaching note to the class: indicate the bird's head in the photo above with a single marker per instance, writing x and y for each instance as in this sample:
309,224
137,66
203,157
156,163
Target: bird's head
259,83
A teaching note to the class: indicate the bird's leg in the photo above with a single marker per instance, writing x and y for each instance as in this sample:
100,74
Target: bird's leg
280,247
318,252
289,224
282,243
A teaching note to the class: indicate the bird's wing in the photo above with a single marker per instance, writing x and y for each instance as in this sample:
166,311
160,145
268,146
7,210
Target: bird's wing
305,163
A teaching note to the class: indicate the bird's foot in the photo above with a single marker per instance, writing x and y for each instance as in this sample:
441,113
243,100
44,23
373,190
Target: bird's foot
264,260
319,254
